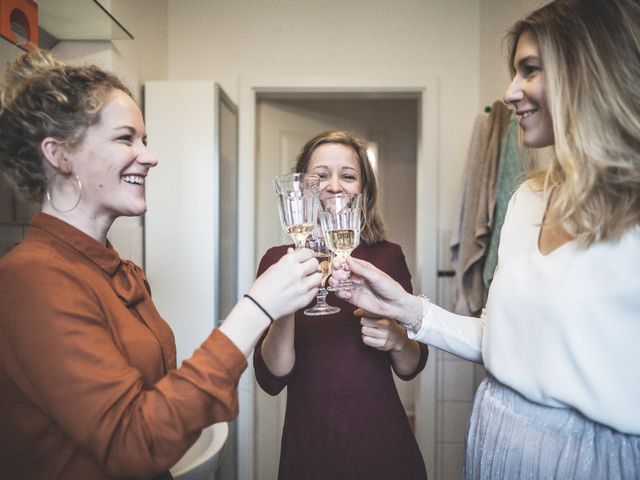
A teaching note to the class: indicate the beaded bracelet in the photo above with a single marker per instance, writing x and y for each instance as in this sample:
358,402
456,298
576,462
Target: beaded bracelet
417,324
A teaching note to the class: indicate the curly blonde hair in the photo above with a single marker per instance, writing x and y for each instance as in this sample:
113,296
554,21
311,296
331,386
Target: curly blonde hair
590,50
44,97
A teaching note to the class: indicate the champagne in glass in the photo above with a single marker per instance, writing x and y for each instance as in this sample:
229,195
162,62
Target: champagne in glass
343,241
341,219
299,232
298,205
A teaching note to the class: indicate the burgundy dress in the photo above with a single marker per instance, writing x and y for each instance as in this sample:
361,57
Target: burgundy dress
344,418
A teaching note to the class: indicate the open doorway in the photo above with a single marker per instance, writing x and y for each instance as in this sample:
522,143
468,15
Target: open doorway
389,122
284,122
419,91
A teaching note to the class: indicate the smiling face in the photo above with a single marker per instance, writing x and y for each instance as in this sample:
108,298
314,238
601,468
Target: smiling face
338,168
527,93
113,161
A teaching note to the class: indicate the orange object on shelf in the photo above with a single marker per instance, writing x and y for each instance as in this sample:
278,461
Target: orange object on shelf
25,14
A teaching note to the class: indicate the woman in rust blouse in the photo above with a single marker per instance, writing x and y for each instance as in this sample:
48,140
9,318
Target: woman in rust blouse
89,387
344,418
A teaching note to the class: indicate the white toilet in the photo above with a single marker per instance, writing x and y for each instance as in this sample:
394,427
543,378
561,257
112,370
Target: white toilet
202,459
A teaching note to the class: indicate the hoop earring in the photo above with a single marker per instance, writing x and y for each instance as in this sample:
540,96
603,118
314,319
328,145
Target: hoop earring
49,195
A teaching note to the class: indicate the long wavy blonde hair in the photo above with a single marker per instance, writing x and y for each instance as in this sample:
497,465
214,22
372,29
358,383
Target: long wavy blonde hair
590,50
373,230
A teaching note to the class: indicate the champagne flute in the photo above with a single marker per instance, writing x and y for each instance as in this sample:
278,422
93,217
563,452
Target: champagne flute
340,220
323,255
298,205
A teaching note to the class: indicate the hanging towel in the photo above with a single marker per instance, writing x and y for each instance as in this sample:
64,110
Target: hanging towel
470,242
510,176
474,159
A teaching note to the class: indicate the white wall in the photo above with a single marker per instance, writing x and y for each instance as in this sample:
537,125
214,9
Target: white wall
496,18
146,20
224,39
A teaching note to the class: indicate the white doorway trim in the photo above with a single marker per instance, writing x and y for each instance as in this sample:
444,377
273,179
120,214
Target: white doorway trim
426,221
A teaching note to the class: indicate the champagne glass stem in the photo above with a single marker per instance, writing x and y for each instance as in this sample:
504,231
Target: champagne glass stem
345,267
321,297
316,242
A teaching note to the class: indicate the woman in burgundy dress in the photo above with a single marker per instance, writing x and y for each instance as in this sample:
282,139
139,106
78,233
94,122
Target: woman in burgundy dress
344,418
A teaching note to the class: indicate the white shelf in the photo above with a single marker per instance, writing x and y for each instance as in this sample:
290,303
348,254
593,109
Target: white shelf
85,20
79,20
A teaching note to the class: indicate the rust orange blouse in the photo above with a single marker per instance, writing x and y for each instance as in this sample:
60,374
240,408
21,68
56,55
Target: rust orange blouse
88,382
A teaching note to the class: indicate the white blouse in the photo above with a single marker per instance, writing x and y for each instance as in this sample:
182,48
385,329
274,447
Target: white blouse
562,329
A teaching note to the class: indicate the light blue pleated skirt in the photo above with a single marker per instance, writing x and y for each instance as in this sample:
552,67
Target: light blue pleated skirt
510,437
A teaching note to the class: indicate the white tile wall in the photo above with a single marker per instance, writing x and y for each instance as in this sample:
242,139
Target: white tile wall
450,460
457,379
455,415
456,383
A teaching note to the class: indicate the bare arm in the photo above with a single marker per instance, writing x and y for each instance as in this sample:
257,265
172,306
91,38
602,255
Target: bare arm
278,349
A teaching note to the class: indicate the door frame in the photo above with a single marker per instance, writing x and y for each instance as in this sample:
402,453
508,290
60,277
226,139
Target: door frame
426,87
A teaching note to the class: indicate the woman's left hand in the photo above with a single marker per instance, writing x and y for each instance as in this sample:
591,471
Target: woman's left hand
383,334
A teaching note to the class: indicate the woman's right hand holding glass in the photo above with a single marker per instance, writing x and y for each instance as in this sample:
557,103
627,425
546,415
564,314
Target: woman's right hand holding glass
289,284
377,293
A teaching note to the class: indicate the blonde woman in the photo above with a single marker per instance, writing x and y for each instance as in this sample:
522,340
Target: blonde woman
559,336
